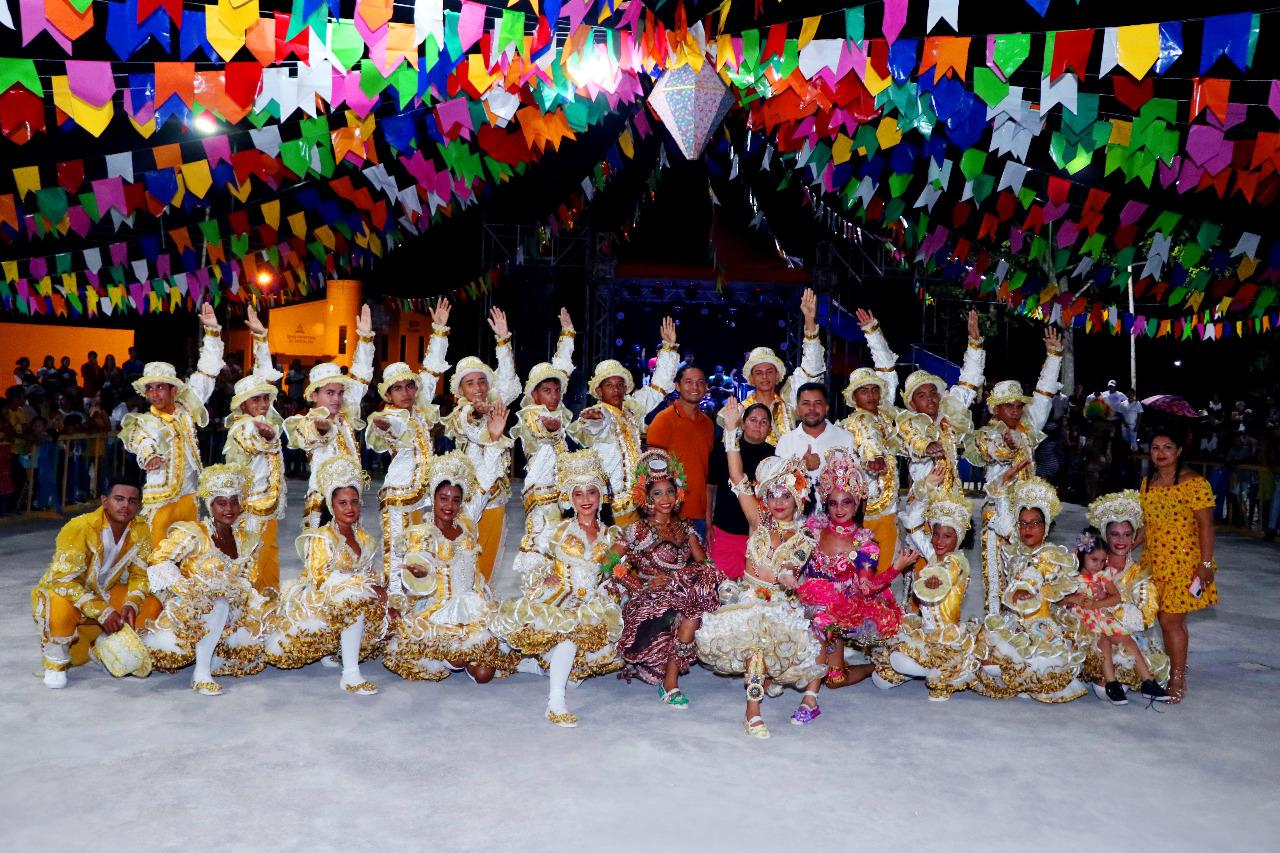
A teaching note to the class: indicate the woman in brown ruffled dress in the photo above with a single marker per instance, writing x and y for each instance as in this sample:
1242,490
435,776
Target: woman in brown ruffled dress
662,564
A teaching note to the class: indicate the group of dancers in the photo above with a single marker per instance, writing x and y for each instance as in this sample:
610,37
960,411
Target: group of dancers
614,579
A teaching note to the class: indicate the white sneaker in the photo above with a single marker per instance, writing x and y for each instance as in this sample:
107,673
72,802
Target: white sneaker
55,679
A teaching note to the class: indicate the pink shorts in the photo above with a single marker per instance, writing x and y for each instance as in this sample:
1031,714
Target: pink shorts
729,553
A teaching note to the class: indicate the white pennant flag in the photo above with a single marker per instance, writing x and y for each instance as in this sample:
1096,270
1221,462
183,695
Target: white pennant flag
944,10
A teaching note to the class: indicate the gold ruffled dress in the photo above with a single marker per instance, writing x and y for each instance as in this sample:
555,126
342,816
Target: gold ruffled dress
933,642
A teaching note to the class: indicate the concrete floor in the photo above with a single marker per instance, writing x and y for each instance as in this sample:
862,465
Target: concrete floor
285,761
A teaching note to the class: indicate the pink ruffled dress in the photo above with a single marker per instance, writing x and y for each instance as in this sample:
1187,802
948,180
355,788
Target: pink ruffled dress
845,593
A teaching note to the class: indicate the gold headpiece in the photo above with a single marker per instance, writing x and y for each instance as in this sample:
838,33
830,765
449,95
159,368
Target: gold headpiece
918,380
329,373
1116,507
579,470
1008,391
455,468
1035,493
249,387
949,509
841,474
224,481
397,371
541,373
339,472
763,355
608,369
862,377
786,472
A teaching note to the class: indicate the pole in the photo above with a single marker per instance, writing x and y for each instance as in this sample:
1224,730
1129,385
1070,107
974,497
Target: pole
1133,339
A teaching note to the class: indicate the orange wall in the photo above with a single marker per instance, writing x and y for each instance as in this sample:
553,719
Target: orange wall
35,341
310,330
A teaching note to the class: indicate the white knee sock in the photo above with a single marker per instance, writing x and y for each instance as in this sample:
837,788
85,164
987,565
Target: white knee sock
214,621
561,663
349,645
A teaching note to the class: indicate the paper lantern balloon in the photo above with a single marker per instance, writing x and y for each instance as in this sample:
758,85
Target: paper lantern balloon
691,104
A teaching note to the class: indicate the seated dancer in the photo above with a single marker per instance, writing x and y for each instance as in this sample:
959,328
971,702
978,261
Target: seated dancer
403,428
482,397
1006,446
847,595
1119,516
765,371
330,428
935,422
1026,648
1099,611
872,422
338,605
760,630
201,571
565,616
933,643
614,426
541,425
670,585
164,438
444,614
254,430
98,574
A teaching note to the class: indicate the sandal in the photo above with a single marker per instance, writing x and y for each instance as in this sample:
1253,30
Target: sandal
674,697
207,688
563,720
756,728
1177,688
363,688
804,715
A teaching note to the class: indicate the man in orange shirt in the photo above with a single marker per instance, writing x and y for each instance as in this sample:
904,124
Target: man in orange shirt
683,430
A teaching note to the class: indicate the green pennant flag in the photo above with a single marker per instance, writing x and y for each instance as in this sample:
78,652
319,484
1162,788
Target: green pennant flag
1012,50
855,24
17,71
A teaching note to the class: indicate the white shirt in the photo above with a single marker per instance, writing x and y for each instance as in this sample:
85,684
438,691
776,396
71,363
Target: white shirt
797,443
110,553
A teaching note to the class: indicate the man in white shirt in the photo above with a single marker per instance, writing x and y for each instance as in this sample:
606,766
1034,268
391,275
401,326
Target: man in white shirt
815,435
1115,400
1132,417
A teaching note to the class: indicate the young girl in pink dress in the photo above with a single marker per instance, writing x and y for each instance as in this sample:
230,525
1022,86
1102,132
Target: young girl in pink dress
1098,607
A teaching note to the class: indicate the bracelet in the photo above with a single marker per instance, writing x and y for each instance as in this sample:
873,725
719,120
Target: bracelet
731,441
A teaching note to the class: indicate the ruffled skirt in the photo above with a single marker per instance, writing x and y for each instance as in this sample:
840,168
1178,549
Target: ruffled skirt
1040,657
861,618
427,645
308,619
651,617
533,628
172,636
943,656
775,631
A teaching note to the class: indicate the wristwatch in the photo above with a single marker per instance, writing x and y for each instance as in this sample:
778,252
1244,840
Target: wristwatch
1208,564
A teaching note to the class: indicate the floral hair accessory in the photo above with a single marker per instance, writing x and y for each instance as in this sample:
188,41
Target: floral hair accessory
655,465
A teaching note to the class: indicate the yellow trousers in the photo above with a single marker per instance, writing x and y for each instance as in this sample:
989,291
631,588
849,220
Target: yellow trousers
183,509
267,574
885,529
490,529
65,619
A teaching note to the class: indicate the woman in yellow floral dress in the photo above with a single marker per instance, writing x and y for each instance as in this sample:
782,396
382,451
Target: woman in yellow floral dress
1178,507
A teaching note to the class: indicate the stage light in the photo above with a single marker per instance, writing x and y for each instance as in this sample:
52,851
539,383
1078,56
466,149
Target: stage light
205,123
620,315
264,278
617,342
1177,363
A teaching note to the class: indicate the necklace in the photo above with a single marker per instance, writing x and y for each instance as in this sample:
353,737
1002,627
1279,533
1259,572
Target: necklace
847,530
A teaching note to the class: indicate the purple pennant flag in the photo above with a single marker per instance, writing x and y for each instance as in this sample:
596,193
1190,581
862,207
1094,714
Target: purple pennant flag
109,193
39,267
1132,212
138,293
119,254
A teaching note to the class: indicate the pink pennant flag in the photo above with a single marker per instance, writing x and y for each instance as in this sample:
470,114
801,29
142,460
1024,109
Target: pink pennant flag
91,82
895,16
470,24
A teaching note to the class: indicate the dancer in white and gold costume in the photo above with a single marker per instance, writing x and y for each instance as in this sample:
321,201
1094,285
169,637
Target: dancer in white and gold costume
770,385
403,428
1119,518
444,614
1006,447
614,426
330,428
565,617
935,422
254,433
760,629
203,573
164,438
541,426
934,643
1026,648
873,423
476,425
338,605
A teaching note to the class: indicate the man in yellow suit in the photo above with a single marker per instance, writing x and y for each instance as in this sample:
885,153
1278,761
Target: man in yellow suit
98,574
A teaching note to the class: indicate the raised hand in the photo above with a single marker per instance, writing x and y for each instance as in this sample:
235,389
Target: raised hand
668,331
440,313
975,331
254,324
1053,339
207,318
809,308
498,322
811,459
732,413
906,559
566,322
497,419
865,318
364,323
